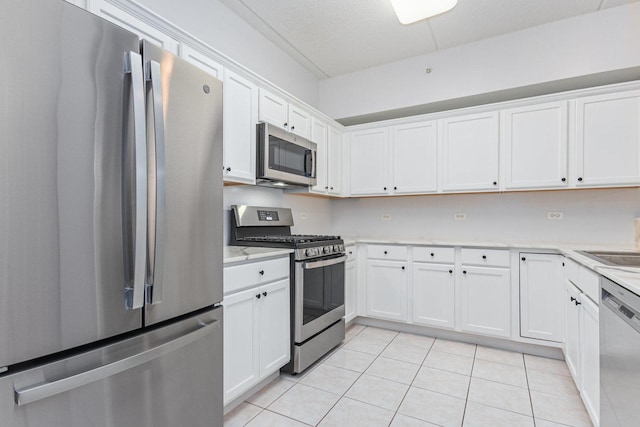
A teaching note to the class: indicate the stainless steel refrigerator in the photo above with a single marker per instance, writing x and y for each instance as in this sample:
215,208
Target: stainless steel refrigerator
110,226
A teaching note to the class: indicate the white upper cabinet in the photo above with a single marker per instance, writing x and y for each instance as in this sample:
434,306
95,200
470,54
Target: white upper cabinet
470,152
369,162
319,135
415,158
125,20
279,112
334,161
608,139
240,115
534,142
202,61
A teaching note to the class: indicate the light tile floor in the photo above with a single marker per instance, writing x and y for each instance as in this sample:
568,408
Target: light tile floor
379,377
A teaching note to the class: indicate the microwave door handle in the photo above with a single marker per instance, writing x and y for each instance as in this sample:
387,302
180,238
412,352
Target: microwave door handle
308,162
158,212
136,209
313,163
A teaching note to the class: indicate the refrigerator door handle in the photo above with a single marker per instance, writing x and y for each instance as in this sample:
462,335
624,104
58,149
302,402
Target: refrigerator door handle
34,393
134,292
157,222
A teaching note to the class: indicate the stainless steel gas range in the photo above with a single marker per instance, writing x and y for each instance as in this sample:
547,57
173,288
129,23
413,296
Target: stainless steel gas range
317,279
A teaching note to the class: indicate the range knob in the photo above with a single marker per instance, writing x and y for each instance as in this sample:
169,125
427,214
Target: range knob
326,249
308,252
336,248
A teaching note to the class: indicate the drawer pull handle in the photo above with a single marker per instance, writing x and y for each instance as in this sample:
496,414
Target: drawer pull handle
261,272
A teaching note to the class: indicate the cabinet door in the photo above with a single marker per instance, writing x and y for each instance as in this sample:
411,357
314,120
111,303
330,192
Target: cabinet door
319,135
387,289
590,351
240,115
470,152
241,343
541,291
273,109
433,295
486,300
299,121
608,139
535,141
202,61
275,349
334,161
572,330
351,277
415,158
369,162
125,20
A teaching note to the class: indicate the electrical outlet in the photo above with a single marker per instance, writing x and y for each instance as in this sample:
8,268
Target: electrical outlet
386,216
555,215
459,216
303,215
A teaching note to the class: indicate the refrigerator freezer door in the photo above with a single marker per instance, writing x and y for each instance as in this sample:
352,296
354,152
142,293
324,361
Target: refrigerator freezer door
62,274
165,378
185,186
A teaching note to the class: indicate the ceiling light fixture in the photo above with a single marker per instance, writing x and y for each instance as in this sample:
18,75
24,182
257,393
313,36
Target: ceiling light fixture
410,11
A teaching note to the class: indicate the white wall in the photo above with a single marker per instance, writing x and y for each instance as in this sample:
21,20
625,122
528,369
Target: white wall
578,46
318,210
218,26
590,217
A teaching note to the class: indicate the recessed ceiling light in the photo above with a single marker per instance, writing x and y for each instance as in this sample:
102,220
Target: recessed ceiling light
410,11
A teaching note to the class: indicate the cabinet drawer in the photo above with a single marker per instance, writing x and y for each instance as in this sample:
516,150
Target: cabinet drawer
434,254
589,283
352,253
397,253
571,271
492,257
243,276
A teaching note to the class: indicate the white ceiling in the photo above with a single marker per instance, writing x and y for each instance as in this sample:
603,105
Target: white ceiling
333,37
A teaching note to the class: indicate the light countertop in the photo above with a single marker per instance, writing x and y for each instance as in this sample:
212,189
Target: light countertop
233,254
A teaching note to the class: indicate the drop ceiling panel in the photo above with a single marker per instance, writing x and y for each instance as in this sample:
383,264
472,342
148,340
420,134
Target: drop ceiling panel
480,19
333,37
341,36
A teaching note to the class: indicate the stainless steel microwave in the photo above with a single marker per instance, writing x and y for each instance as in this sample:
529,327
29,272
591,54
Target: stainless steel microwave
283,158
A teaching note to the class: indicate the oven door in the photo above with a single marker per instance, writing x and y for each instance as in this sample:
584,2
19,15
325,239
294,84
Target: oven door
319,295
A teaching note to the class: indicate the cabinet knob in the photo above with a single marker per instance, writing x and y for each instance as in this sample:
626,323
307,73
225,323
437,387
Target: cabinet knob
286,124
293,127
563,264
450,271
573,299
326,188
495,182
385,252
395,188
403,267
484,257
580,179
464,271
432,254
576,302
385,188
258,296
331,188
264,294
228,169
564,179
350,252
261,272
523,258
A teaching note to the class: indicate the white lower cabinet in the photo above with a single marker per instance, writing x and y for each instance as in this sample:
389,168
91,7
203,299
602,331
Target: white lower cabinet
433,295
485,300
541,294
387,283
256,329
582,346
350,284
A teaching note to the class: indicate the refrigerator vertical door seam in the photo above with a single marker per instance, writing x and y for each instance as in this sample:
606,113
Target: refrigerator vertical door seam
30,394
158,223
134,295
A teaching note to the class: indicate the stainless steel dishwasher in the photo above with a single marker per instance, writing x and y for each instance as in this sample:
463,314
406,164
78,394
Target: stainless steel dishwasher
619,355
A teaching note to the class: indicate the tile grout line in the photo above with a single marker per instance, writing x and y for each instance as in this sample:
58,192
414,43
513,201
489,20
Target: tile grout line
466,400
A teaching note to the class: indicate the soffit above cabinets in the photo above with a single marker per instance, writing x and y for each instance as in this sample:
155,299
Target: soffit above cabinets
333,37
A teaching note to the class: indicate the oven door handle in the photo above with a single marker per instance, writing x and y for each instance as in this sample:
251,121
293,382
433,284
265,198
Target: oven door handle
323,263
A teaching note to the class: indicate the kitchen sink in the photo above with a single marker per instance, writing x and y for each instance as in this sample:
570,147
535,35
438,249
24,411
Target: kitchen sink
622,258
